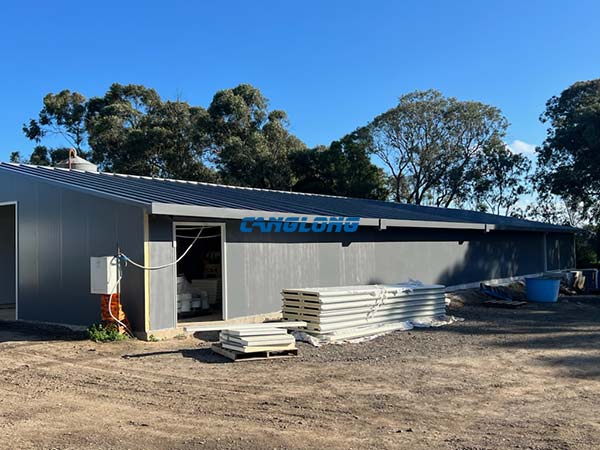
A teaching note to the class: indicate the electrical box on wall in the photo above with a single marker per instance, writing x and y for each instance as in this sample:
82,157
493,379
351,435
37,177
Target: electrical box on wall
103,274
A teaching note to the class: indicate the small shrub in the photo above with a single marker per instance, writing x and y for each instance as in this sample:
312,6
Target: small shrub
153,338
101,333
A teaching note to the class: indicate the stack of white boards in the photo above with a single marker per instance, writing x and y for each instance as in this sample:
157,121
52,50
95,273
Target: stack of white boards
184,295
211,286
254,340
348,312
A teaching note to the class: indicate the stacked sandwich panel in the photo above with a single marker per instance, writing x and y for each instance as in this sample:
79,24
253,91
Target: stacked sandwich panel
352,309
212,287
184,295
253,339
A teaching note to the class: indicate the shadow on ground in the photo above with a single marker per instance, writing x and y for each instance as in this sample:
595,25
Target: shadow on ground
572,324
203,355
12,331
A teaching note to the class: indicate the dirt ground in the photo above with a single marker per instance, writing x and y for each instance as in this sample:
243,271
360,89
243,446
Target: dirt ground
523,379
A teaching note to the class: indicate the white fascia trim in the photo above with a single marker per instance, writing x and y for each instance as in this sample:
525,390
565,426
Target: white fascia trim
170,209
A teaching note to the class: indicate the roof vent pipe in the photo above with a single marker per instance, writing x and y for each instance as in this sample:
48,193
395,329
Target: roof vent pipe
76,162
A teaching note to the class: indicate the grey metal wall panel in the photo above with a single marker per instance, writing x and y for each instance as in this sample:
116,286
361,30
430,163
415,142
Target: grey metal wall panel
162,282
260,265
7,254
59,229
129,235
561,251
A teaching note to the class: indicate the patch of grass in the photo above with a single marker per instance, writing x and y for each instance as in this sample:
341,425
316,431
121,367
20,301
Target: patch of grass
153,338
100,333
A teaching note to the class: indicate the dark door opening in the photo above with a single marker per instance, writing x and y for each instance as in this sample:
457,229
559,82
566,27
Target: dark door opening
8,262
199,273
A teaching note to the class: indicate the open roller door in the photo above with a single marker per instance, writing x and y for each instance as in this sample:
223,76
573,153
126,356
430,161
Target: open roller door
8,261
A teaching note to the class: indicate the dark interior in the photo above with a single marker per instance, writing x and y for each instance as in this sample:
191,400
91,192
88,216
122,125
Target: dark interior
7,262
199,273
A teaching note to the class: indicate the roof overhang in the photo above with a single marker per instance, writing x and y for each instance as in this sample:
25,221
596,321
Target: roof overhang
170,209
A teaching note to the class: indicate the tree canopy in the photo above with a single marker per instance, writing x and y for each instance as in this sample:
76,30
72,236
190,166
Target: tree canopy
252,145
132,130
433,149
430,144
569,159
42,156
498,179
344,168
63,114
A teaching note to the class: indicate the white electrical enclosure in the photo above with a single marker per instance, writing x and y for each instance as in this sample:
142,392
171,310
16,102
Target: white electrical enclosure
103,274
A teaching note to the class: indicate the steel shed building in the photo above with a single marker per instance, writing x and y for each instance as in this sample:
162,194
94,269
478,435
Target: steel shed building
53,220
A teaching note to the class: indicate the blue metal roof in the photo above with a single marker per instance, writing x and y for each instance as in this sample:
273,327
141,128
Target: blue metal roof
147,191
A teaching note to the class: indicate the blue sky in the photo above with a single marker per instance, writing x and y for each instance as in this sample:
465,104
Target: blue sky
332,65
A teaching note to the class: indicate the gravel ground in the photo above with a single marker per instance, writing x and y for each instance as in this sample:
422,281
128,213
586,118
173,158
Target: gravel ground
527,378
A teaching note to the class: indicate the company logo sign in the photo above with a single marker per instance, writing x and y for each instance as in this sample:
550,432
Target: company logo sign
300,224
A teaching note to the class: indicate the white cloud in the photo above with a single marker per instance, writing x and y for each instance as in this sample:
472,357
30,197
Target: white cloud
517,146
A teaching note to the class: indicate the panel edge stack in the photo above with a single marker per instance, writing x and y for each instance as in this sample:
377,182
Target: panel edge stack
346,312
257,340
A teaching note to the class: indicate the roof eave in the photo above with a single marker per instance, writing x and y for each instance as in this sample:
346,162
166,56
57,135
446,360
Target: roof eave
540,228
170,209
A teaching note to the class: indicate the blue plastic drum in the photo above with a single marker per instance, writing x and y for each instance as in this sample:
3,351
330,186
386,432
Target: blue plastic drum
542,289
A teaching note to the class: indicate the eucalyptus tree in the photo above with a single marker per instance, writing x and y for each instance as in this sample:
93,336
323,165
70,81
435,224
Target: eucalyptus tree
430,144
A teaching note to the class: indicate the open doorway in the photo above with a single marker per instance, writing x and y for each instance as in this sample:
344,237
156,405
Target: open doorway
8,261
200,272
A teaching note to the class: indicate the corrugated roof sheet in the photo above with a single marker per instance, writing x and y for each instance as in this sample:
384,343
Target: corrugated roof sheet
145,190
